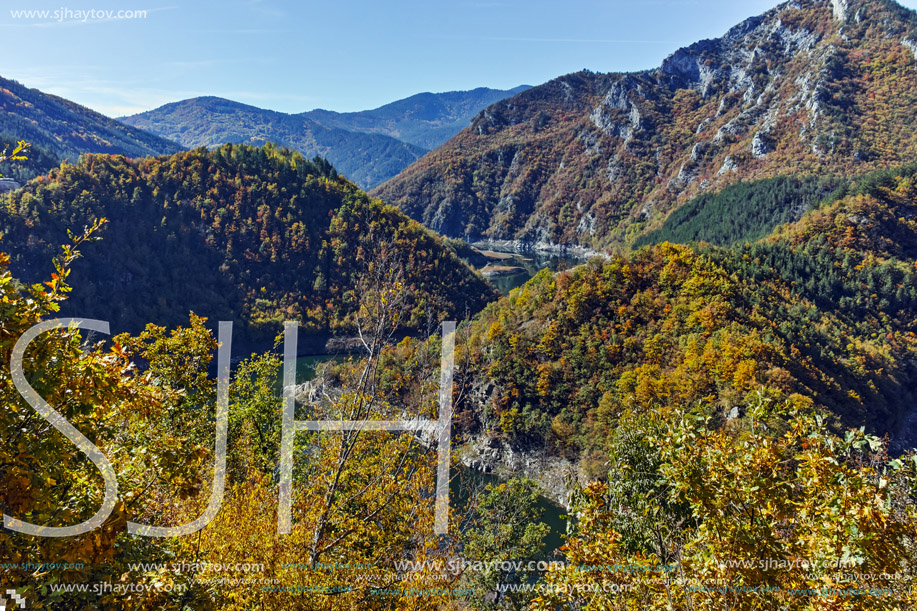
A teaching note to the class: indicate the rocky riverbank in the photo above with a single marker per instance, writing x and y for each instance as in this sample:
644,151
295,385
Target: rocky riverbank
546,248
499,271
490,454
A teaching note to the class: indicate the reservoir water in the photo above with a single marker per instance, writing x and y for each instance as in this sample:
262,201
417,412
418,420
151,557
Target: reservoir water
523,266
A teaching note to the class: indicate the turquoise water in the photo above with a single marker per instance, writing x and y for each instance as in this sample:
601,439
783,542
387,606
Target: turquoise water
305,366
530,265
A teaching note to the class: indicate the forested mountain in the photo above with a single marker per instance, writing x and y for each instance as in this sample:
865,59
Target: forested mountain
367,159
697,404
724,401
810,88
65,130
746,211
427,120
824,308
692,383
368,147
259,235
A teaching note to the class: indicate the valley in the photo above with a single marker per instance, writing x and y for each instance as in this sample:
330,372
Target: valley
620,340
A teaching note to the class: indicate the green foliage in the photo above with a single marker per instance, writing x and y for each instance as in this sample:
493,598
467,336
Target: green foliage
745,212
503,526
775,512
143,421
254,417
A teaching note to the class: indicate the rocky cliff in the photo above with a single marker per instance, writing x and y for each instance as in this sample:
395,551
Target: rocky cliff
823,87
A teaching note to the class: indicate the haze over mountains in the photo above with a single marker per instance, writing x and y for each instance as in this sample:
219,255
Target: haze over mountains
59,129
810,87
427,120
368,147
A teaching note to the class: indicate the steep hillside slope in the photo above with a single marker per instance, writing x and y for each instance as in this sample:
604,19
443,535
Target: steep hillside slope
823,310
67,130
237,233
814,87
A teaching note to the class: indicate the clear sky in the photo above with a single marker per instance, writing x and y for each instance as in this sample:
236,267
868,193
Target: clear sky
296,55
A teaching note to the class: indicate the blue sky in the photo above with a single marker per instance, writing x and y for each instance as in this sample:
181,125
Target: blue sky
342,55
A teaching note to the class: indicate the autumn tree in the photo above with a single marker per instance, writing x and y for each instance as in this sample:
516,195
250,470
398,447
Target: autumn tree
772,511
360,498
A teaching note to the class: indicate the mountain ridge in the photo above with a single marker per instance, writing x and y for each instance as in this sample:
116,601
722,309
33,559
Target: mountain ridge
368,153
259,235
590,159
66,129
211,121
425,119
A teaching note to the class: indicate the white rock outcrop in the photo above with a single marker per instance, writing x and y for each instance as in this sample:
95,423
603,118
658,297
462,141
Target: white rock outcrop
910,44
840,9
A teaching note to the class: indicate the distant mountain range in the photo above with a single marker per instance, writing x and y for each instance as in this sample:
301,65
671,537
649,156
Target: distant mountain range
368,147
812,87
59,129
367,159
427,120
